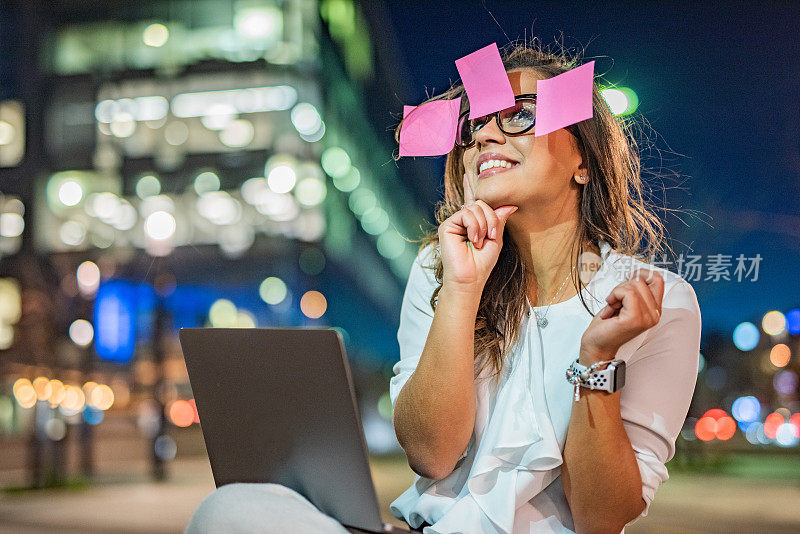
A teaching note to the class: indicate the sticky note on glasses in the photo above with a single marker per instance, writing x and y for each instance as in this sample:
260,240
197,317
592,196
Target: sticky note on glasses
485,81
564,100
430,128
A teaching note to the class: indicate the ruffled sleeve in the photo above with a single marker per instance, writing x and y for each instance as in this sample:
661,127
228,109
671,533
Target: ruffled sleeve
659,384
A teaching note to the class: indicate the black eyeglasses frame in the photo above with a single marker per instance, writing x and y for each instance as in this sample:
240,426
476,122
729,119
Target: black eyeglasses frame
517,98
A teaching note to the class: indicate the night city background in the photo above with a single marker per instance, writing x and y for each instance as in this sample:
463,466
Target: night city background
168,164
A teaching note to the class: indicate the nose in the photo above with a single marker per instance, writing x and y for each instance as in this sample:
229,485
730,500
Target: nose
490,133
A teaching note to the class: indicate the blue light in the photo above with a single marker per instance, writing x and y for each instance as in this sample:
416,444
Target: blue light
746,336
114,320
793,321
92,415
745,425
746,409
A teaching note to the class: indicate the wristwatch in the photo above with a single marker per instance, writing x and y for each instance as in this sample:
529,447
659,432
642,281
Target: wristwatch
610,379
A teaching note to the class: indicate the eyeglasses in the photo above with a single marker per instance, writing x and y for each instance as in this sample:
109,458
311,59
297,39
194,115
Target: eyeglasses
515,120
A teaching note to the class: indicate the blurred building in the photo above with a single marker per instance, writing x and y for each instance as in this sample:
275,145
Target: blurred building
173,164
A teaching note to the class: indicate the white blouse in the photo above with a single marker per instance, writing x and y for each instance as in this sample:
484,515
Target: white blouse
508,479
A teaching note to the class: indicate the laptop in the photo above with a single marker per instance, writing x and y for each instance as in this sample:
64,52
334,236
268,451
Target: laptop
278,405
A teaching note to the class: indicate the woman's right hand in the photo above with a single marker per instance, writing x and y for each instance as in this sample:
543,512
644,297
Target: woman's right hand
468,267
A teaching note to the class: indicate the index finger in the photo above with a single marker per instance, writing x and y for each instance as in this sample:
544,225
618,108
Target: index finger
469,195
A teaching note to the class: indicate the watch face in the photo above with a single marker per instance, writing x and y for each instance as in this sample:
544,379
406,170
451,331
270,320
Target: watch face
619,376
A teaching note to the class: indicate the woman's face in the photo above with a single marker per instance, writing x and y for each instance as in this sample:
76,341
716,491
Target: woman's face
542,168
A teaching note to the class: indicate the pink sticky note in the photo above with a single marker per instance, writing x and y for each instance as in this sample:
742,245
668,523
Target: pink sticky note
485,81
564,99
430,128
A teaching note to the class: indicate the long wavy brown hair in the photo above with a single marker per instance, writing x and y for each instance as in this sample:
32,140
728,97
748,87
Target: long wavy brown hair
612,207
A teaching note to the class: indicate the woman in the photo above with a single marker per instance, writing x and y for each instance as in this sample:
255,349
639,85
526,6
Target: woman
489,324
482,406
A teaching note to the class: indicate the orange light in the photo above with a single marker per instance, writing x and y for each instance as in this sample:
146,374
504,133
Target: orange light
771,424
706,428
181,413
194,407
43,388
74,398
726,428
24,393
313,304
715,413
57,392
780,355
101,397
795,420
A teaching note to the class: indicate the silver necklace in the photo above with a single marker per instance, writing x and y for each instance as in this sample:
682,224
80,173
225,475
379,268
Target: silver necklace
541,320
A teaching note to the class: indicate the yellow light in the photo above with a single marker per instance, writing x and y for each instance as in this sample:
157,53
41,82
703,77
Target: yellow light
42,387
102,397
780,355
313,304
272,290
223,314
24,393
57,392
245,319
155,35
88,387
773,323
74,399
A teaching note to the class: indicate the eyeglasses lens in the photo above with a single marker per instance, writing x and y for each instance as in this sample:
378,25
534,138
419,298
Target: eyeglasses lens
516,119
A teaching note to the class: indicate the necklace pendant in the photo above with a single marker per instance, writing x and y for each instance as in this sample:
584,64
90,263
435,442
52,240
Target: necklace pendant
541,321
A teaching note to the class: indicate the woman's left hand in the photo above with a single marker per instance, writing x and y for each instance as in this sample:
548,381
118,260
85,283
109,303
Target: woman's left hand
632,307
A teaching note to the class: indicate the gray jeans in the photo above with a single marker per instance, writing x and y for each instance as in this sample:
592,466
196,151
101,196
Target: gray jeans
260,508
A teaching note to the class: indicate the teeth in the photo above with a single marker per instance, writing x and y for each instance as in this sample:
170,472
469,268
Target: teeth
492,163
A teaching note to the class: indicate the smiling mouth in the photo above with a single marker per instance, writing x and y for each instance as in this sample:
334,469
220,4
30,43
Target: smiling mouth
494,166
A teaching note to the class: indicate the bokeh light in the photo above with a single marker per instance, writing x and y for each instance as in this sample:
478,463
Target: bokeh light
165,448
272,290
206,182
746,409
313,304
88,274
771,424
181,413
336,162
70,193
57,392
102,397
774,323
160,225
155,35
746,336
785,382
793,321
24,393
93,416
81,332
780,355
222,314
282,179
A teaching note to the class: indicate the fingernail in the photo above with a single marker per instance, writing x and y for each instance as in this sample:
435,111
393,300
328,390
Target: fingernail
493,233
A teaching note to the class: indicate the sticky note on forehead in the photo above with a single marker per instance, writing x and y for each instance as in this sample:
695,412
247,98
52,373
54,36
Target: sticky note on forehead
485,81
430,128
564,100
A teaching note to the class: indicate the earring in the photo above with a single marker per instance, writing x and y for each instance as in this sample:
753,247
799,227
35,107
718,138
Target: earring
581,178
